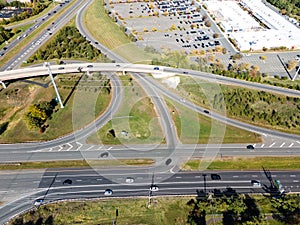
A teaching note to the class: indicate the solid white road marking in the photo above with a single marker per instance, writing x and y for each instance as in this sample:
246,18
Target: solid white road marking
282,144
71,146
291,145
80,145
262,145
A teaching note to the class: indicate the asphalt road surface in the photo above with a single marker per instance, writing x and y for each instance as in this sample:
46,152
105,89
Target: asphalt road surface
88,183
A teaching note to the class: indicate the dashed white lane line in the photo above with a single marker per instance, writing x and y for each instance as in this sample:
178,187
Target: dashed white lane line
254,175
295,181
298,142
282,144
78,180
89,148
178,177
272,144
109,148
262,145
291,145
292,175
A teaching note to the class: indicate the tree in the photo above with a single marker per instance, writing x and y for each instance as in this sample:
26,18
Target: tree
286,209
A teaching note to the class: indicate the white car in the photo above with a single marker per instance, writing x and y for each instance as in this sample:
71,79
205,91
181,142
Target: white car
255,183
129,180
154,188
38,202
108,192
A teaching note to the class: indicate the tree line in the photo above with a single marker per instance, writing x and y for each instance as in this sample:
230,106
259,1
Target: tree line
6,34
244,209
68,43
33,10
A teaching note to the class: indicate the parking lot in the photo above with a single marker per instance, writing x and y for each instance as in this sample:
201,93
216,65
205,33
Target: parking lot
176,25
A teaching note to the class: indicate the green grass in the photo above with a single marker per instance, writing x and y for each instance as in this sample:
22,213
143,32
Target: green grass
136,116
109,34
163,211
85,104
74,164
195,128
247,163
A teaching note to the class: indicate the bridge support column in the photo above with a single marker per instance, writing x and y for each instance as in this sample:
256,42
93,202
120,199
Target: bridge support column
55,87
296,74
3,84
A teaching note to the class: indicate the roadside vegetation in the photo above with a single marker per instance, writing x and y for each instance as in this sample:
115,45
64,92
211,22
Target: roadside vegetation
246,163
68,44
18,104
31,9
6,34
193,127
287,7
228,208
136,121
75,164
113,36
252,106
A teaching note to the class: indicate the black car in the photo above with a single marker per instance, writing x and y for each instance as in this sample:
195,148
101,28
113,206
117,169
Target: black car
250,147
206,111
215,176
67,181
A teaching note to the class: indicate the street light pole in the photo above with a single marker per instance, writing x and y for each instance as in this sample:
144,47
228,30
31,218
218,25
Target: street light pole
54,85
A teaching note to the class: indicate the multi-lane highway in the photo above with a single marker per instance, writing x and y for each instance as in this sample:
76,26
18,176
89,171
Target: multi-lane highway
87,183
91,183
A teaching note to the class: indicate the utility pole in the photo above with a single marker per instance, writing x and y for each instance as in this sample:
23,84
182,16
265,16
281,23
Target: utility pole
54,85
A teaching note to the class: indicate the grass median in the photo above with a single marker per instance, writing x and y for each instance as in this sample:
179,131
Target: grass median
246,163
74,164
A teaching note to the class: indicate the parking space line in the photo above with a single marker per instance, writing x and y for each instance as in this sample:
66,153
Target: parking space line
282,144
291,145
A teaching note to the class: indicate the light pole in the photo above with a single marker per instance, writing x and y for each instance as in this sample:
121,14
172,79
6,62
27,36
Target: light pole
54,85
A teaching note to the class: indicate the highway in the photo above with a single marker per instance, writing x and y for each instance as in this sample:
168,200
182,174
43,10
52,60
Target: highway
43,36
91,183
88,183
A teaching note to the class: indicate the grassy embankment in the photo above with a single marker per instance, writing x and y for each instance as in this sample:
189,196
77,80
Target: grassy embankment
108,33
163,211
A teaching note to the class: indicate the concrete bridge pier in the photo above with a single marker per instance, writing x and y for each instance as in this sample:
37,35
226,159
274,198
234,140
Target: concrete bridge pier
3,84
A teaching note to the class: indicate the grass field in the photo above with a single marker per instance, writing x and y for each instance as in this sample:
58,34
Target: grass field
135,122
247,163
163,211
195,128
84,104
108,33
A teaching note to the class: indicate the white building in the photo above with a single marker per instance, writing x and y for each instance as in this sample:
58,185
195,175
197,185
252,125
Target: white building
246,30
